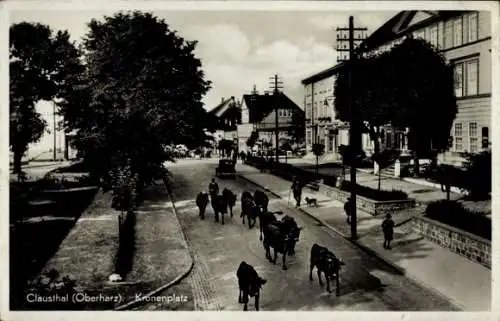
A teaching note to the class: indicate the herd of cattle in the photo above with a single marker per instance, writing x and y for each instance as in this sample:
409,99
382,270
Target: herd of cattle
281,235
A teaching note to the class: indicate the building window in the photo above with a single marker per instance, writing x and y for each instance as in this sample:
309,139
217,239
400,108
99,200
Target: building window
457,32
472,27
466,78
458,137
434,35
473,137
448,34
472,77
459,80
308,110
440,35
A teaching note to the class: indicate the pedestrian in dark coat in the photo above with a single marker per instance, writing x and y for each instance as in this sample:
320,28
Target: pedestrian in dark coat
388,229
202,202
349,209
213,188
297,191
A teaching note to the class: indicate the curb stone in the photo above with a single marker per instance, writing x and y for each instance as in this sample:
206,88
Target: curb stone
369,251
178,278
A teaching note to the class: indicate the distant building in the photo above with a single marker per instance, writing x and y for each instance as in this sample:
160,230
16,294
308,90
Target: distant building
227,116
320,118
258,114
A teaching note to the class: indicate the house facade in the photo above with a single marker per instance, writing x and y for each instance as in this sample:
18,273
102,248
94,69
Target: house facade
227,117
464,39
258,114
320,118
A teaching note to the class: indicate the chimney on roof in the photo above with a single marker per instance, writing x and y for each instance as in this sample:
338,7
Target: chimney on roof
222,100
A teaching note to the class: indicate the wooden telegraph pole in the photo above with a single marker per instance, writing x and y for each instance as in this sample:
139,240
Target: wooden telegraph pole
276,86
353,37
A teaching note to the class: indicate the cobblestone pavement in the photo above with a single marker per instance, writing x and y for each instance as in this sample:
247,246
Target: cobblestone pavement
366,282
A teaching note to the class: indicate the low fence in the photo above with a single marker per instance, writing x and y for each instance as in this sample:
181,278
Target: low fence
370,206
473,247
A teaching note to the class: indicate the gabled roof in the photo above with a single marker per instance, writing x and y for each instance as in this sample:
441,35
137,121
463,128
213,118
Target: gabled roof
259,106
223,107
323,74
404,22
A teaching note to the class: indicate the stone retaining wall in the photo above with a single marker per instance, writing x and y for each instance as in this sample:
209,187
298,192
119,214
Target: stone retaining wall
370,206
473,247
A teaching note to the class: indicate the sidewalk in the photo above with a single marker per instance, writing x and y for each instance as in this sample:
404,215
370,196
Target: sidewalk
465,283
160,253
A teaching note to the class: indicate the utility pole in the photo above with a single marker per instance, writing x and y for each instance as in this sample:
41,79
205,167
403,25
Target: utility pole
55,133
353,37
276,85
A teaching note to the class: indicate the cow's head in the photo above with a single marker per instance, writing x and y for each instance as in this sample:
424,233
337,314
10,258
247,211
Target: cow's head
255,285
333,264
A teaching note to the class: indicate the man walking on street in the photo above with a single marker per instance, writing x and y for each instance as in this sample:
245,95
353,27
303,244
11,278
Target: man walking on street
348,208
213,188
297,191
388,229
202,202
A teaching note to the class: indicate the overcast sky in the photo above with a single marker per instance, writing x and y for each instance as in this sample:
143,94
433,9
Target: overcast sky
241,48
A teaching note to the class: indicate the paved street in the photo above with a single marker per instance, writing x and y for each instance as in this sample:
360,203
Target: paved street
366,282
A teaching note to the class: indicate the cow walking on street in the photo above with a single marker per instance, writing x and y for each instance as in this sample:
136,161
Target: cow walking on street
261,199
248,209
290,224
326,262
219,205
230,198
202,202
249,283
280,238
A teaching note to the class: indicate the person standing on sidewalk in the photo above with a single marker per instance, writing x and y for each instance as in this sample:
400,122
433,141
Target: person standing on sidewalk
348,209
297,191
202,202
388,229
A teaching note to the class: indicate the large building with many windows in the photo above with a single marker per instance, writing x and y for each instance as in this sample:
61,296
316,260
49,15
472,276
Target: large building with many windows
464,39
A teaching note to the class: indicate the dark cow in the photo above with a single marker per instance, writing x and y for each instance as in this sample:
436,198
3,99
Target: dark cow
250,284
202,202
326,262
266,218
280,238
290,224
261,199
248,209
230,198
219,205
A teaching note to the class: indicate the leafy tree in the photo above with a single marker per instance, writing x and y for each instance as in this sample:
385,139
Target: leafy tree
141,91
39,61
477,178
225,146
416,83
252,139
297,131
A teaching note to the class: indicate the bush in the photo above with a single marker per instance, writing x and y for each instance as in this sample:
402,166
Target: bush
454,214
477,178
374,194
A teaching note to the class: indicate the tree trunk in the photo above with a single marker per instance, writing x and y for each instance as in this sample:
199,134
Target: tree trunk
18,156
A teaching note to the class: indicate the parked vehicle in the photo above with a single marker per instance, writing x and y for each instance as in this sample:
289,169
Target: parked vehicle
226,168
